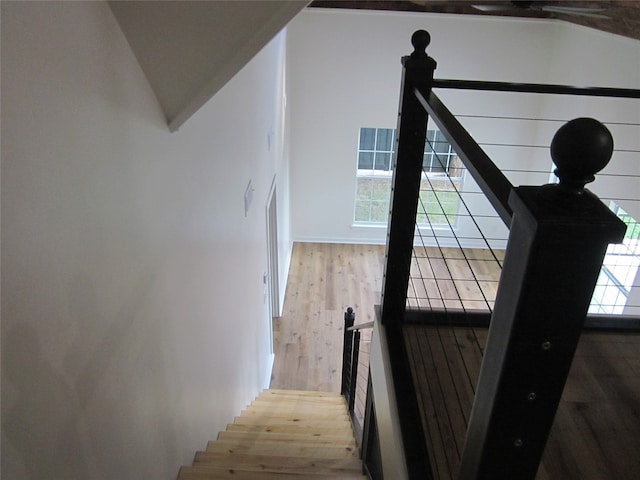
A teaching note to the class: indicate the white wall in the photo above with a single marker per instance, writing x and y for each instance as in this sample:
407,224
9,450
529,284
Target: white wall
587,57
133,320
346,74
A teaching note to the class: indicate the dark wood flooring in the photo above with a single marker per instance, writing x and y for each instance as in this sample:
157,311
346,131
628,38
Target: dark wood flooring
596,433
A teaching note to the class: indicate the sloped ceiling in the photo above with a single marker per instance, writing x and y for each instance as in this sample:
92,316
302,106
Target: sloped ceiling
621,17
190,49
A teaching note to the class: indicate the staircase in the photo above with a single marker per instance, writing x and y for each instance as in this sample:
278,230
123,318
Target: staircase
283,434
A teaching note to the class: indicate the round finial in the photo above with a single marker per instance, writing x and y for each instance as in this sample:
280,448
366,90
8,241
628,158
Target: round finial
580,148
420,40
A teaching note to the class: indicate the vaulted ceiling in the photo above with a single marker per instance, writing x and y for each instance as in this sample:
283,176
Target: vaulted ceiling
190,49
621,17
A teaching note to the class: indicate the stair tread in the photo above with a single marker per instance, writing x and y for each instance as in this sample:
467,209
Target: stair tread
295,403
207,472
344,439
283,397
283,434
308,429
252,412
302,393
281,464
300,421
282,449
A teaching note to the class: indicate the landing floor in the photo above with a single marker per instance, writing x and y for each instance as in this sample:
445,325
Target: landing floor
596,434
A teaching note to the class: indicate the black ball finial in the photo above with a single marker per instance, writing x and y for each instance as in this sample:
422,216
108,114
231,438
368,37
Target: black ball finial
420,41
580,148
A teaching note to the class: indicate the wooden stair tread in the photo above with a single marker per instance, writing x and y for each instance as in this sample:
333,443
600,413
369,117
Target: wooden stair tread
207,472
302,393
300,438
284,399
279,463
283,434
252,412
292,397
302,404
306,429
301,421
282,449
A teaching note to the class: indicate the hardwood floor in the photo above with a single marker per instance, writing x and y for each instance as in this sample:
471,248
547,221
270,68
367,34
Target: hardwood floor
324,279
596,434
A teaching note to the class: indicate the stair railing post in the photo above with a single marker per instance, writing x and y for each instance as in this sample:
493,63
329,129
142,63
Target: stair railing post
347,347
558,239
417,75
407,172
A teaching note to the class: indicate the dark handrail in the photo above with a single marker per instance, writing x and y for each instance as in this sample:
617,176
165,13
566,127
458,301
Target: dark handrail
536,88
360,326
487,175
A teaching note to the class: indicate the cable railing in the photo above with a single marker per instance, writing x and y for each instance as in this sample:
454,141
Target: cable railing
502,287
472,228
355,369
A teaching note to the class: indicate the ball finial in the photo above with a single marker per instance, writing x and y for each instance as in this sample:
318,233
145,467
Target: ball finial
420,40
580,148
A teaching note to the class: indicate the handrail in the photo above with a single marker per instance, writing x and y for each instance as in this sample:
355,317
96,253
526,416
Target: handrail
536,88
360,326
487,175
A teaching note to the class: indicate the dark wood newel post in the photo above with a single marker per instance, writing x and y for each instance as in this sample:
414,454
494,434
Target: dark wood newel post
559,235
412,130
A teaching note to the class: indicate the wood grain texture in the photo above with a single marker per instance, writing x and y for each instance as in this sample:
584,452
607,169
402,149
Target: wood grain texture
595,435
324,279
283,434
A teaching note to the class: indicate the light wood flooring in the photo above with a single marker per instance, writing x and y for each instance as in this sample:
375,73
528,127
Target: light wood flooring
324,279
596,435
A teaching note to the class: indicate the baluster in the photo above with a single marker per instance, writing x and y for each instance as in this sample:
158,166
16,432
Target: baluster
347,345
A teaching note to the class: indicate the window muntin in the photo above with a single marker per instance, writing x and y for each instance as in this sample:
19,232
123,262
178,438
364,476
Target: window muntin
442,176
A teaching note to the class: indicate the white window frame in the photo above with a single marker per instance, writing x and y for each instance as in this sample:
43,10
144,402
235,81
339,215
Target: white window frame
373,173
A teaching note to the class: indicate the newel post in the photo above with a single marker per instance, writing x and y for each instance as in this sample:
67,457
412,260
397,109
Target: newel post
412,130
417,74
559,235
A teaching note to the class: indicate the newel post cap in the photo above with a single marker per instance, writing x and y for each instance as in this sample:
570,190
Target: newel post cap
580,148
420,41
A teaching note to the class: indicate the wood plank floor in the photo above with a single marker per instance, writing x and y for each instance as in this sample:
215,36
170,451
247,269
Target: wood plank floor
596,433
454,278
324,279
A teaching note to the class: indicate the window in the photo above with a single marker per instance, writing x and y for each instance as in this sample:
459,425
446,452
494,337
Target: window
619,269
438,154
373,180
442,175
